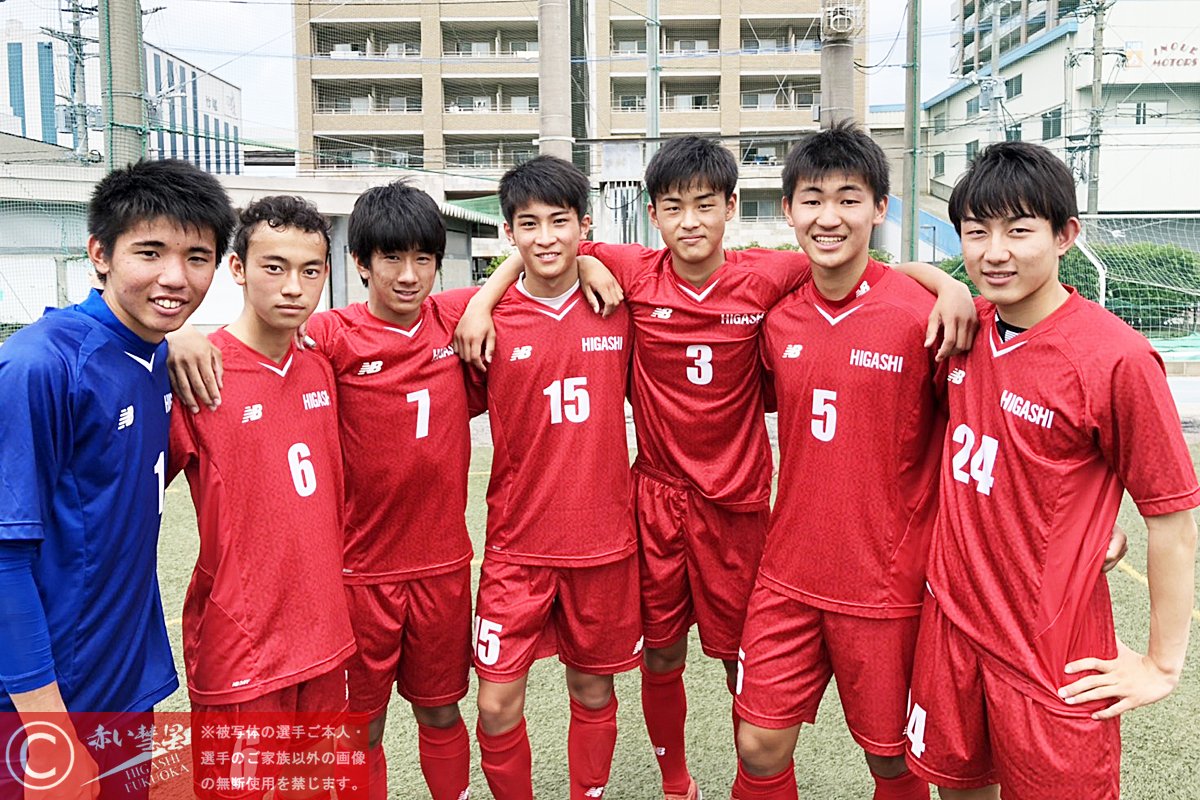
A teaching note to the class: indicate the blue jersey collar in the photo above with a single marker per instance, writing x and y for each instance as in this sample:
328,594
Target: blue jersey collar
95,307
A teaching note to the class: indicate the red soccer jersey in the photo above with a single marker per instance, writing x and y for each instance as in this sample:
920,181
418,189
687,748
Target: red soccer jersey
1046,432
265,608
405,438
860,435
697,392
559,491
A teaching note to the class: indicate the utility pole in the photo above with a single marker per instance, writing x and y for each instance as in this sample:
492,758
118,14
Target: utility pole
653,81
554,78
123,81
909,232
1099,7
994,86
75,42
840,21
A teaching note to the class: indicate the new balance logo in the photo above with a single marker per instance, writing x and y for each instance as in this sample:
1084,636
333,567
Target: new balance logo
661,313
595,791
863,288
465,794
957,376
792,351
125,418
370,367
521,353
168,399
637,648
252,413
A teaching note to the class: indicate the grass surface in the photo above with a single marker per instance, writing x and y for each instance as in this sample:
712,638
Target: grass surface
1161,743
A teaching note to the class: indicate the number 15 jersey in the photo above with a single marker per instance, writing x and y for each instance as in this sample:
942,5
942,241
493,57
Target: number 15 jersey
559,491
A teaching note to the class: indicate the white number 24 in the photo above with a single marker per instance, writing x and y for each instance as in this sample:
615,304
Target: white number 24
982,462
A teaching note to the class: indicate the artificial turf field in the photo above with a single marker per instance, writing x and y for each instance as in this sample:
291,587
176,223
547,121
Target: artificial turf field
1161,744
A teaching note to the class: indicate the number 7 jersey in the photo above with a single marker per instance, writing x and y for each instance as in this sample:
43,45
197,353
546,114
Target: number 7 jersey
1046,432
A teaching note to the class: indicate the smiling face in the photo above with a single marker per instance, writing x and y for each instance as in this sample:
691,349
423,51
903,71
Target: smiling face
833,218
283,275
692,223
547,237
1014,264
156,275
398,283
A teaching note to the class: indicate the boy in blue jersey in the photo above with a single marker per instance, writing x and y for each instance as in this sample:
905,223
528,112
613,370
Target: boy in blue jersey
83,441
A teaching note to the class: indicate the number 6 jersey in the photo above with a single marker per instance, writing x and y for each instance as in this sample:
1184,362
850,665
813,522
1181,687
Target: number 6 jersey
1046,433
265,608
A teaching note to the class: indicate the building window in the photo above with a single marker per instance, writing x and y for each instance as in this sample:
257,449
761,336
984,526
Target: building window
753,210
1149,112
1012,133
1052,124
939,122
1012,86
972,150
973,107
939,164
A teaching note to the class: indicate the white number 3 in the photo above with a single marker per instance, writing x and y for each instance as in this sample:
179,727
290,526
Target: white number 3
701,372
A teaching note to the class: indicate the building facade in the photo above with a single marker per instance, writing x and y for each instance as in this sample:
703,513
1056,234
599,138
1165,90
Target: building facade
453,89
191,114
1020,21
1149,107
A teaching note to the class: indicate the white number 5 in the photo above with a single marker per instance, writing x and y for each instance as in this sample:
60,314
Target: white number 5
487,641
824,422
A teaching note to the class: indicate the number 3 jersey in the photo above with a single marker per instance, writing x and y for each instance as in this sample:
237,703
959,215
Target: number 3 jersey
406,438
559,490
1046,432
265,608
860,431
696,390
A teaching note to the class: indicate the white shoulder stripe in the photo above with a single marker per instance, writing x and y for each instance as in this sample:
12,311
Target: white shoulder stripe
280,371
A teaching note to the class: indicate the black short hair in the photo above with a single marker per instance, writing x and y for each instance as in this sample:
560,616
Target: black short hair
396,218
843,148
544,179
169,189
279,211
689,162
1015,179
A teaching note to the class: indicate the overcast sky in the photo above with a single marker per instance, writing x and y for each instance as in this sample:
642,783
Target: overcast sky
214,34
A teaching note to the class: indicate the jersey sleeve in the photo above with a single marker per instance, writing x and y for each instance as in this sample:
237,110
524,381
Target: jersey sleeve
453,302
26,660
770,399
181,449
1139,432
625,261
34,437
319,330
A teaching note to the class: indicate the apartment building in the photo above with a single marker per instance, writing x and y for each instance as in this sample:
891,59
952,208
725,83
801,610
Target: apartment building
452,88
1020,21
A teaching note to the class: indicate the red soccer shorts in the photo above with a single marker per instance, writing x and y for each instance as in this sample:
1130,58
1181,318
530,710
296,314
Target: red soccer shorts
790,650
415,634
969,726
699,562
254,762
590,612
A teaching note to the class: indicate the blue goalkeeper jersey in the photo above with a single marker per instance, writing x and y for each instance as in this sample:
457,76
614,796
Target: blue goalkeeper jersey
84,412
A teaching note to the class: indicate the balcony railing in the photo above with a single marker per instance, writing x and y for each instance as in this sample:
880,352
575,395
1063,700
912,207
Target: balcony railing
507,107
369,159
344,109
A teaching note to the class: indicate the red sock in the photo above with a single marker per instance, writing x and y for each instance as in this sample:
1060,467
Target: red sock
445,760
590,742
776,787
507,763
365,782
376,774
905,786
664,705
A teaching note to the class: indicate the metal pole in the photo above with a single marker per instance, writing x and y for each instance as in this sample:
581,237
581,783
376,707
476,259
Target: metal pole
79,125
649,235
554,78
1099,7
123,81
837,80
997,126
912,135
